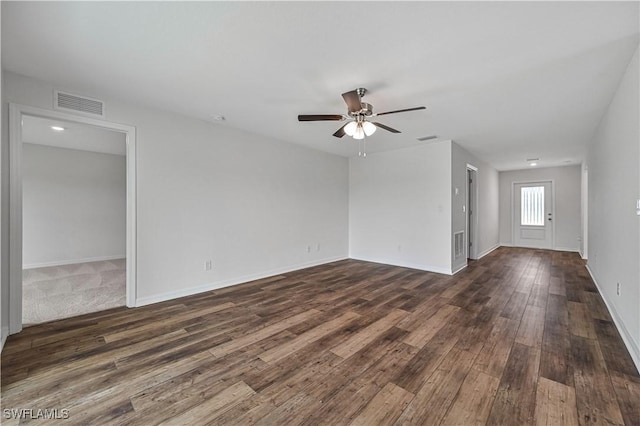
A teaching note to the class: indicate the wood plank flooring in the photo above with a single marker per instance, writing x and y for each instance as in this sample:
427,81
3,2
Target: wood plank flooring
520,337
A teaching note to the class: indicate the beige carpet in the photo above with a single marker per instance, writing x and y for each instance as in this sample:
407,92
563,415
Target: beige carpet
56,292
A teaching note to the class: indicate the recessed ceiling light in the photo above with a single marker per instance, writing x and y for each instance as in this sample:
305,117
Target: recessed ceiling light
219,117
57,128
533,164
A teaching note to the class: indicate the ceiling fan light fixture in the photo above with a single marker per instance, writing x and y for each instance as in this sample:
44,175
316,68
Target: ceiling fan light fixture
369,128
359,133
350,128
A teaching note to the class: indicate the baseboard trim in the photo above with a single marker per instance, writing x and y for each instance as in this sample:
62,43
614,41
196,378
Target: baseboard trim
149,300
573,250
410,265
71,262
632,347
486,252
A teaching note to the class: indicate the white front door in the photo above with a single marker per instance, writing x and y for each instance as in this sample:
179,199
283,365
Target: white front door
533,215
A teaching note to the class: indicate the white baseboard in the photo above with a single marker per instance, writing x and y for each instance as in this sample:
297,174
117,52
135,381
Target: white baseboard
573,250
148,300
486,252
71,262
403,264
627,338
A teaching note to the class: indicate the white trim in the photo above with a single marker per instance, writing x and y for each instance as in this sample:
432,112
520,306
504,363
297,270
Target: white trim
428,268
459,269
486,252
573,250
72,261
631,345
3,337
148,300
15,219
472,167
16,111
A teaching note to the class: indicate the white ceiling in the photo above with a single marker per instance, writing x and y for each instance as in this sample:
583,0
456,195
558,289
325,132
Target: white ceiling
37,130
507,81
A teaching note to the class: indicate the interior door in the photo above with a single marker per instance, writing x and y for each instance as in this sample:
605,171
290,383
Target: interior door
533,215
471,220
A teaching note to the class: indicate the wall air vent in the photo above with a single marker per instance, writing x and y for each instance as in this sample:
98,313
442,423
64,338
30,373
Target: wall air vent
458,244
426,138
78,104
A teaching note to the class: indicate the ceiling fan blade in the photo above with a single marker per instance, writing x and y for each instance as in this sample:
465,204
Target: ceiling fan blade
387,128
340,132
320,117
400,110
352,99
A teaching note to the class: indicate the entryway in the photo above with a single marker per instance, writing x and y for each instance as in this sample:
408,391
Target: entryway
533,210
17,115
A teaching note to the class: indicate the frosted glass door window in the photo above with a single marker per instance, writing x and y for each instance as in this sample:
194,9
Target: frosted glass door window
532,206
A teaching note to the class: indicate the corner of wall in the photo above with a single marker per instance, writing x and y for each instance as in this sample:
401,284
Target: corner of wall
4,283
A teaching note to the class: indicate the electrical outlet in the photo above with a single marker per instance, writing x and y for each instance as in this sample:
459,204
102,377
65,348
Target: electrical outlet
308,249
618,289
208,265
318,247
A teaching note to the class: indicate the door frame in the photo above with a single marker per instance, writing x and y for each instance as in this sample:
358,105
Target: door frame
472,253
514,220
584,208
16,112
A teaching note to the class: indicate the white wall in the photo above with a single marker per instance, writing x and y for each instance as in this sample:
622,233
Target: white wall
74,205
486,213
206,191
614,227
400,207
4,283
568,185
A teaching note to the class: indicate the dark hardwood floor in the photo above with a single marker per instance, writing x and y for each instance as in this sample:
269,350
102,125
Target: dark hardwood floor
519,337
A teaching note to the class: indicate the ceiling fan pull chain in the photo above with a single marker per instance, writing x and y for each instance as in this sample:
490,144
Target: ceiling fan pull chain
364,146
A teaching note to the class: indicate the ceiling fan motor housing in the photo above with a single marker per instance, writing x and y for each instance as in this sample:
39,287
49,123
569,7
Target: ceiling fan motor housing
367,110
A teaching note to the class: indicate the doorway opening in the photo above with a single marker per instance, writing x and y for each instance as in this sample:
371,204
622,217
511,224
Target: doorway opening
74,191
472,203
19,171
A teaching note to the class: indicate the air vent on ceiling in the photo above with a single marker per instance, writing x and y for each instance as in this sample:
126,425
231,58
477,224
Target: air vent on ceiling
79,104
426,138
458,244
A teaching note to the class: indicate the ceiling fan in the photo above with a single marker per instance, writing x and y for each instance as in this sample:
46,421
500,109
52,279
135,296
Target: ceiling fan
358,114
